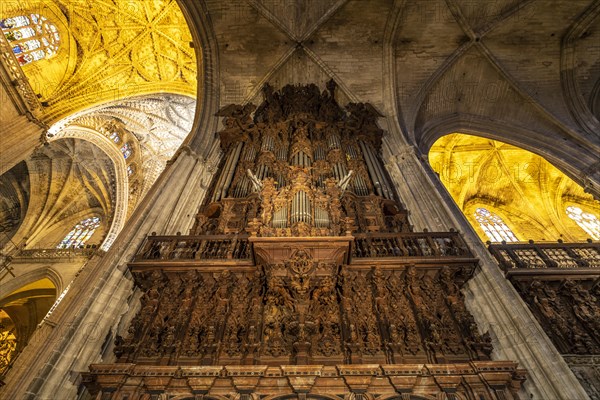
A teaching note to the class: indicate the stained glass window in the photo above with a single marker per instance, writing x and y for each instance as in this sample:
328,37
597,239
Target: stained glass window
494,227
130,170
32,37
588,222
80,234
126,150
114,136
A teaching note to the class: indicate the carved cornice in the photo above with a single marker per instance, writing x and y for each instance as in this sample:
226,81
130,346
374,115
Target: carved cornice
504,378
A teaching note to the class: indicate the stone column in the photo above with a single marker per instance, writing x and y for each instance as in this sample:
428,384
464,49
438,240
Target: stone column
490,297
73,336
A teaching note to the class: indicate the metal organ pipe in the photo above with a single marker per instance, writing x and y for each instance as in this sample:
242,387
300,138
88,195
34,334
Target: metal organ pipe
375,161
385,186
361,186
333,141
250,153
220,182
371,168
282,153
231,169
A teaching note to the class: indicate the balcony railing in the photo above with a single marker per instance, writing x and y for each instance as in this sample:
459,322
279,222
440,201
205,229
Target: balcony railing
422,244
43,254
214,247
559,256
238,247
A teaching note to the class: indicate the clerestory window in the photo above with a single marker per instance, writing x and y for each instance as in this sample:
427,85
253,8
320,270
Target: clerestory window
494,227
80,234
32,37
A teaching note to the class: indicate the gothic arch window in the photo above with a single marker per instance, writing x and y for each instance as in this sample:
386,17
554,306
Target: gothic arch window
32,37
493,226
80,234
587,221
126,150
114,136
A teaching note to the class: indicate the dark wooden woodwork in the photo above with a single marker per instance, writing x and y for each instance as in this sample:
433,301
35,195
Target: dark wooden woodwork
302,275
560,282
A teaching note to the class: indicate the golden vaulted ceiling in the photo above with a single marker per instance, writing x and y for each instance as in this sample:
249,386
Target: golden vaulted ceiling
125,64
110,50
525,190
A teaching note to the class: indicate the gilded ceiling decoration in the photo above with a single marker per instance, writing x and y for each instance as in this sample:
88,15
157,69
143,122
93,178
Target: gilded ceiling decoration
159,123
528,193
112,50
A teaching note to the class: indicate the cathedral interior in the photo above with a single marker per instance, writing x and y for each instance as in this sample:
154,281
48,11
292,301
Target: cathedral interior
300,199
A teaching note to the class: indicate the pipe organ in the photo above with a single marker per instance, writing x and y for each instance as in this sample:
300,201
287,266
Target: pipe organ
300,157
302,278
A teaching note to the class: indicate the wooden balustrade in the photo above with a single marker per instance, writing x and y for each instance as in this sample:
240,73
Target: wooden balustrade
365,245
546,255
213,247
410,244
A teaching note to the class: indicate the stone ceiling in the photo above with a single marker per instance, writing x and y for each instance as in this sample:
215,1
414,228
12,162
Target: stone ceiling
159,123
525,72
69,180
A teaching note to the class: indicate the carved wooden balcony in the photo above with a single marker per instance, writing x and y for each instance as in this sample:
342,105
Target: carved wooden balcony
187,248
547,259
559,283
413,244
409,247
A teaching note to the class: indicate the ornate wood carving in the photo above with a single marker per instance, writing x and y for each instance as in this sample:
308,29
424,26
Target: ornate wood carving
560,284
302,264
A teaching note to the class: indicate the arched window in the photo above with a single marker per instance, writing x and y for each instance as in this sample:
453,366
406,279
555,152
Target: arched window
588,222
126,150
114,136
32,37
493,226
80,234
130,170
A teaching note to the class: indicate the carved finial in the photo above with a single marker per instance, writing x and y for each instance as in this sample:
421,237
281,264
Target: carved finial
331,85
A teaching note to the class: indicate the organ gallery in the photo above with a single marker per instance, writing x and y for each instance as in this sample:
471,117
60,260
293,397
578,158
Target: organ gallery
302,278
